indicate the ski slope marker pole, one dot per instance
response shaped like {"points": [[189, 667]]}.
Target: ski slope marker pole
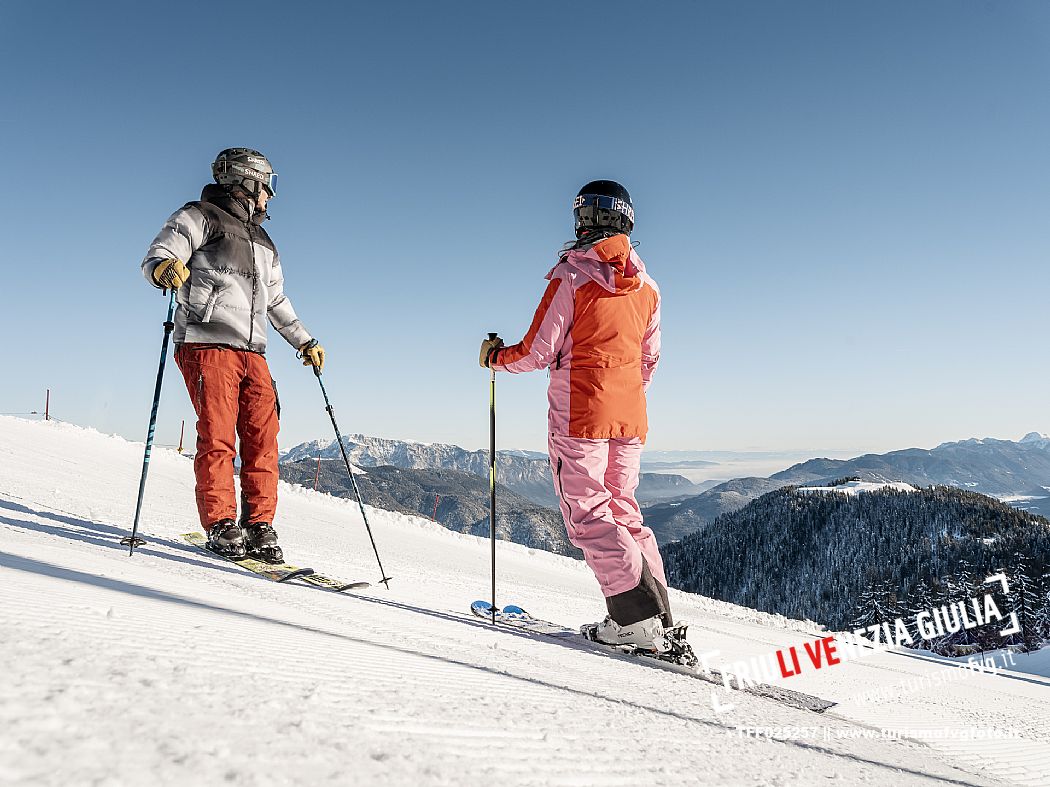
{"points": [[353, 481], [492, 477], [133, 540]]}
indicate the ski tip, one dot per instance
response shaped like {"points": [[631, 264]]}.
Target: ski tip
{"points": [[355, 586], [514, 609]]}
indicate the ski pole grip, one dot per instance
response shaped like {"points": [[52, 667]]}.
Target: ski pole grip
{"points": [[493, 336]]}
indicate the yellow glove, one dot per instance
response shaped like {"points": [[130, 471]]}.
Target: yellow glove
{"points": [[312, 354], [488, 346], [170, 274]]}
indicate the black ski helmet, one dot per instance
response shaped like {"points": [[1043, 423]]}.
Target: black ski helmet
{"points": [[244, 167], [603, 204]]}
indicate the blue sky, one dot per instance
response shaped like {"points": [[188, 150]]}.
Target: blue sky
{"points": [[845, 205]]}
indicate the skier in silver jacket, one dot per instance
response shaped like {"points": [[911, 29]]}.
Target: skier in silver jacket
{"points": [[234, 283], [228, 280]]}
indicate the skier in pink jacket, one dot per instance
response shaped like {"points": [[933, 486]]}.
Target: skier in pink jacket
{"points": [[597, 331]]}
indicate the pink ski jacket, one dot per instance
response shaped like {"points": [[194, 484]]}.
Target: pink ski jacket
{"points": [[598, 330]]}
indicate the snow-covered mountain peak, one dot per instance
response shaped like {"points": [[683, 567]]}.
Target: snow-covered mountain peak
{"points": [[957, 443], [1037, 438]]}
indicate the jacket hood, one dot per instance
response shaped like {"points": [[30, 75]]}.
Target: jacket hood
{"points": [[610, 262], [218, 196]]}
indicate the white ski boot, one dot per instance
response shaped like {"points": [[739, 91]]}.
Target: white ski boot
{"points": [[645, 635]]}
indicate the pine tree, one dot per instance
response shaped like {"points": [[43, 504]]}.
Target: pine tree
{"points": [[1023, 599], [921, 600], [866, 612], [1042, 614]]}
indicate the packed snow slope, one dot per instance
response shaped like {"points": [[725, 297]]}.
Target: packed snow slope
{"points": [[172, 667]]}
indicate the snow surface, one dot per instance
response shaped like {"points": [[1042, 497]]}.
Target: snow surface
{"points": [[1036, 663], [856, 487], [172, 667]]}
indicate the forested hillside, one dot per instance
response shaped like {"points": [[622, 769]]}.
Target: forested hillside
{"points": [[843, 559]]}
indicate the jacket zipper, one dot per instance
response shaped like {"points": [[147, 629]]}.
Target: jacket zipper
{"points": [[255, 280]]}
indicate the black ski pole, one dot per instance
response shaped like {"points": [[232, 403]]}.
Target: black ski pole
{"points": [[353, 481], [133, 540], [492, 477]]}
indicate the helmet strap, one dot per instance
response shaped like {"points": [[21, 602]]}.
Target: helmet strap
{"points": [[592, 236]]}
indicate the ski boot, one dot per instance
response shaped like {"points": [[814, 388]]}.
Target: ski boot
{"points": [[225, 538], [644, 636], [261, 542]]}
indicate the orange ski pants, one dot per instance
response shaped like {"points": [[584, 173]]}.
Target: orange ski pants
{"points": [[234, 398]]}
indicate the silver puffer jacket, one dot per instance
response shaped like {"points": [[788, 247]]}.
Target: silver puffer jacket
{"points": [[235, 282]]}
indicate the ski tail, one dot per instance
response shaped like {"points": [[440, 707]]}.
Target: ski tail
{"points": [[483, 609]]}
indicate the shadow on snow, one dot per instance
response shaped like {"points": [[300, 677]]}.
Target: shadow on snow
{"points": [[29, 565]]}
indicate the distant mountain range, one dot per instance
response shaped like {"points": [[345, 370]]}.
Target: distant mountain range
{"points": [[1018, 472], [457, 500], [526, 473], [676, 519], [992, 467]]}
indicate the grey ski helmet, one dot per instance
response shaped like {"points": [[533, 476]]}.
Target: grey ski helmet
{"points": [[603, 205], [244, 167]]}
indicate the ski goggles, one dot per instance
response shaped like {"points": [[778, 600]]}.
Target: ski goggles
{"points": [[604, 203], [268, 180]]}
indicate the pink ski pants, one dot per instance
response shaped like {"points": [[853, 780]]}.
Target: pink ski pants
{"points": [[596, 481]]}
